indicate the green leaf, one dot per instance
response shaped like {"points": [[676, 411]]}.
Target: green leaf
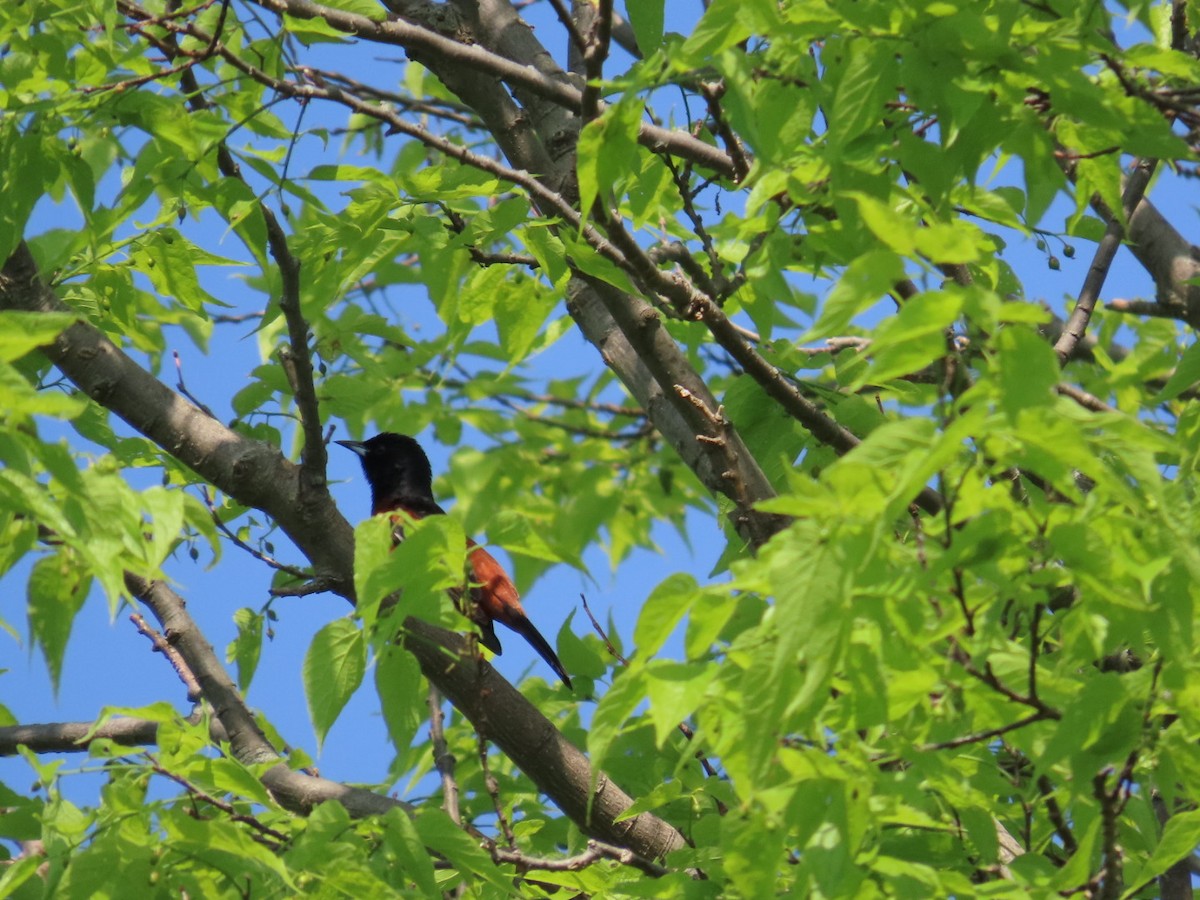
{"points": [[1179, 840], [675, 691], [866, 83], [220, 844], [548, 250], [373, 543], [227, 774], [708, 615], [789, 676], [950, 243], [1087, 719], [614, 708], [57, 588], [896, 231], [245, 649], [608, 150], [400, 686], [520, 314], [401, 837], [724, 23], [591, 262], [21, 332], [19, 398], [429, 560], [440, 834], [1187, 373], [333, 669], [29, 170], [169, 260], [164, 508], [517, 534], [912, 339], [663, 610], [1028, 370], [314, 31], [646, 17], [866, 280]]}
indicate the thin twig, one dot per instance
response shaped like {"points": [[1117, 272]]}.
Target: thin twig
{"points": [[458, 113], [238, 542], [443, 759], [163, 646], [412, 36], [712, 94], [1057, 819], [277, 837], [493, 788], [987, 735], [564, 17], [989, 677], [612, 650], [1082, 397], [182, 388], [596, 851], [694, 304], [459, 226], [1150, 308], [313, 459]]}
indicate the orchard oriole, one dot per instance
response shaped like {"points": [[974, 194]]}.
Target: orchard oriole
{"points": [[401, 478]]}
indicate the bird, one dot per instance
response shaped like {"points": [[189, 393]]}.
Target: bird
{"points": [[401, 479]]}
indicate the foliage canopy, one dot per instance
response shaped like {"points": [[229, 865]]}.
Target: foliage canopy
{"points": [[789, 271]]}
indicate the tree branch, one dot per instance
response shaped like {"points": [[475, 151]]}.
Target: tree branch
{"points": [[987, 735], [531, 741], [594, 55], [423, 40], [624, 329], [294, 790], [163, 646], [258, 476], [253, 473], [277, 838], [443, 759], [77, 737], [1106, 251], [692, 303], [595, 852]]}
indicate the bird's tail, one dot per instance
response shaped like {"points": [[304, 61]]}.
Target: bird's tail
{"points": [[487, 634], [525, 629]]}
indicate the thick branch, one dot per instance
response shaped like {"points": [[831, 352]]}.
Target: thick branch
{"points": [[625, 329], [253, 473], [630, 336], [257, 475], [1172, 261], [690, 301], [76, 737], [294, 790], [423, 40], [1106, 251], [529, 739]]}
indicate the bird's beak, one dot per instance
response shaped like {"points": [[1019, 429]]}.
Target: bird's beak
{"points": [[356, 446]]}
